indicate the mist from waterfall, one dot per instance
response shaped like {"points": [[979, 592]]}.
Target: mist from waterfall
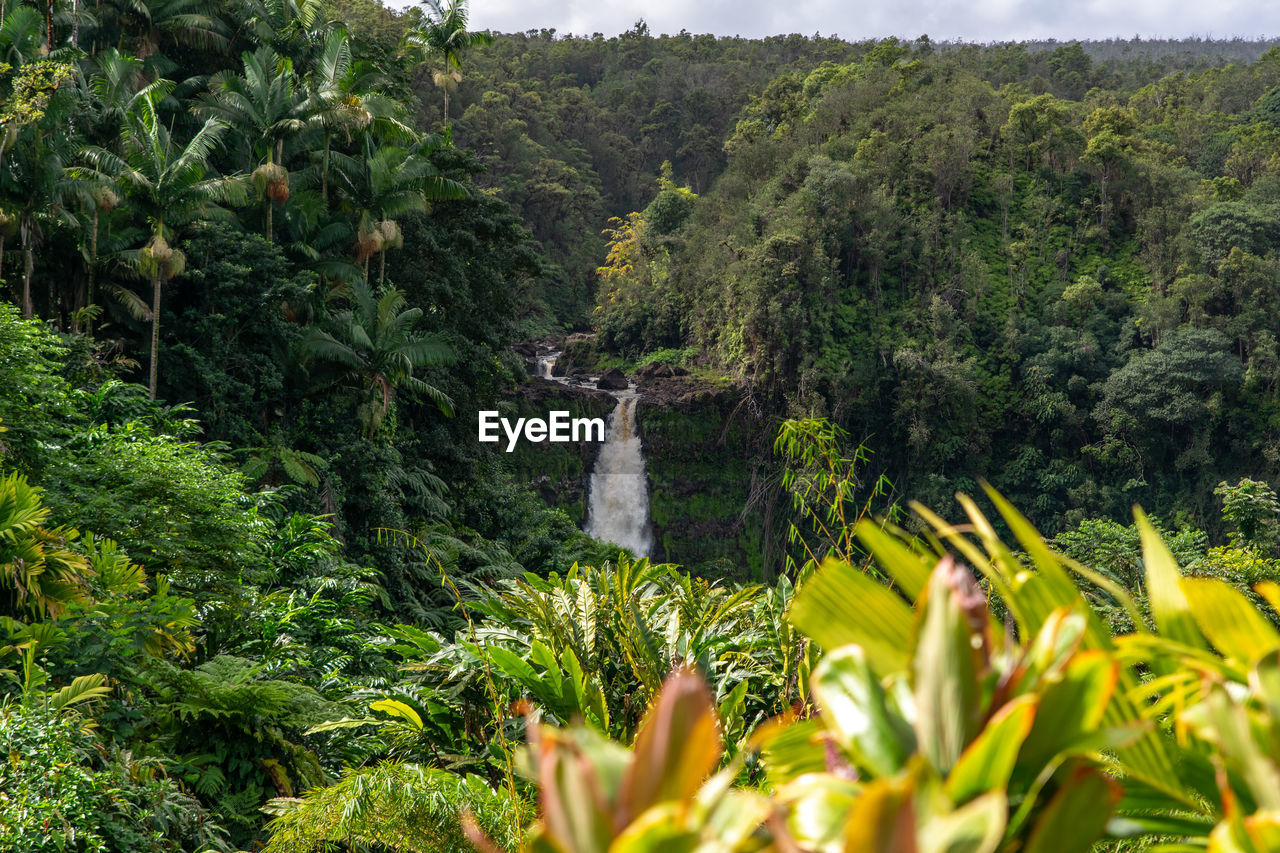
{"points": [[618, 508]]}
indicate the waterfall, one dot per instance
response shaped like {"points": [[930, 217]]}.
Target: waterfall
{"points": [[618, 508], [547, 363]]}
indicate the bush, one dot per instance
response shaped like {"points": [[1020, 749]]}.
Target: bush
{"points": [[60, 790]]}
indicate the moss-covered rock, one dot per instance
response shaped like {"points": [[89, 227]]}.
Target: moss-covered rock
{"points": [[710, 502], [560, 472]]}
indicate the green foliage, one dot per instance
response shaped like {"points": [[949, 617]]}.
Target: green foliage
{"points": [[1251, 507], [403, 807], [234, 735], [172, 504], [937, 728], [33, 396], [63, 791], [40, 575], [376, 349]]}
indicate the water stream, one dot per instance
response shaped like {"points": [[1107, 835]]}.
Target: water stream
{"points": [[618, 507], [618, 497]]}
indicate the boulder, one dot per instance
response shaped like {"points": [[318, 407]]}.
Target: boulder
{"points": [[559, 366], [659, 370], [613, 380], [654, 370]]}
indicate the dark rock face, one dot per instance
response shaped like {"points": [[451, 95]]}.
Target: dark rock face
{"points": [[559, 473], [712, 506], [558, 367], [613, 380]]}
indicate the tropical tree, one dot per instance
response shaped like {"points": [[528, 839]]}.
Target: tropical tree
{"points": [[385, 184], [169, 185], [344, 99], [444, 37], [372, 348], [155, 29], [262, 106]]}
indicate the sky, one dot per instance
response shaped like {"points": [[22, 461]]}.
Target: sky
{"points": [[968, 20]]}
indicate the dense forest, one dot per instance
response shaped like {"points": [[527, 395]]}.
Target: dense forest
{"points": [[262, 589]]}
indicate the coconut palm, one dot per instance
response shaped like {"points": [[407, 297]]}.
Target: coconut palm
{"points": [[444, 37], [168, 184], [372, 348]]}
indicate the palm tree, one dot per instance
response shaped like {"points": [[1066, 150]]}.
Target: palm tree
{"points": [[166, 183], [444, 36], [384, 185], [343, 97], [372, 348], [263, 107], [150, 27], [297, 29]]}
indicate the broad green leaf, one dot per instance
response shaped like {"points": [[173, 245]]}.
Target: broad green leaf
{"points": [[398, 709], [977, 827], [1047, 563], [1077, 815], [573, 689], [946, 667], [1232, 624], [84, 688], [545, 689], [988, 762], [1169, 605], [909, 570], [842, 606], [1071, 709], [860, 714]]}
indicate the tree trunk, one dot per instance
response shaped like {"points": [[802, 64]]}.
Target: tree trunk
{"points": [[324, 172], [270, 218], [445, 89], [155, 331], [382, 268], [1, 257], [93, 270], [29, 265]]}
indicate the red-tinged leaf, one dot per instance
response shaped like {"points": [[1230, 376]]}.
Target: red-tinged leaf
{"points": [[677, 748]]}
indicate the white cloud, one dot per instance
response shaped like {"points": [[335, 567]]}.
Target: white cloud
{"points": [[980, 20]]}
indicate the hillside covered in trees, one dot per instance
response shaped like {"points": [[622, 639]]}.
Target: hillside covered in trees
{"points": [[262, 589]]}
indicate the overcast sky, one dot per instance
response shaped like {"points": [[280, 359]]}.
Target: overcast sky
{"points": [[970, 20]]}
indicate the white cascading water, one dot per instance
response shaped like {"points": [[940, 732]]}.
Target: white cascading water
{"points": [[546, 364], [618, 507]]}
